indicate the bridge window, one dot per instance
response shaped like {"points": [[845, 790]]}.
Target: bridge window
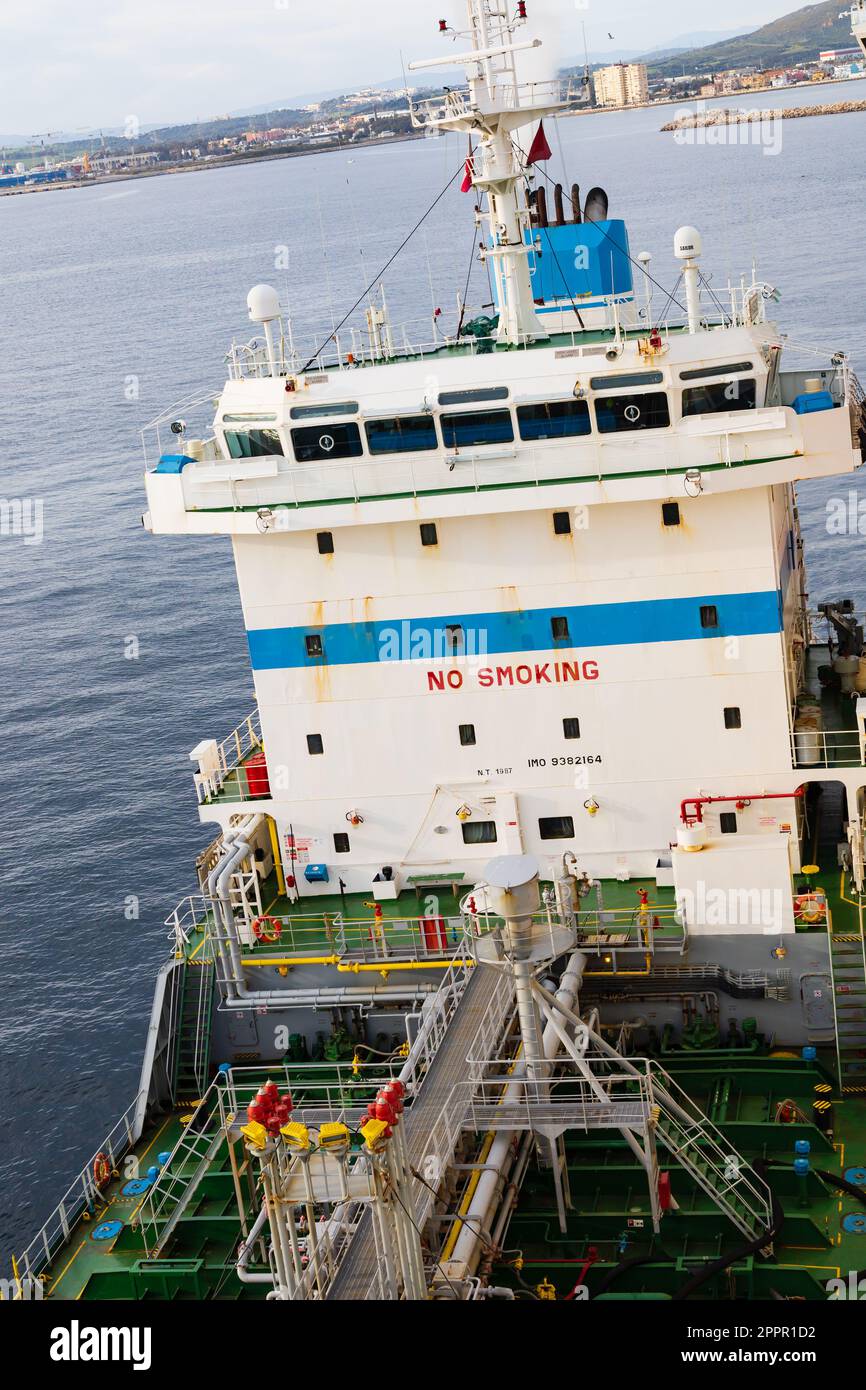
{"points": [[482, 427], [409, 434], [455, 638], [484, 393], [318, 443], [707, 373], [479, 832], [556, 827], [626, 379], [624, 414], [718, 396], [253, 444], [321, 412], [554, 420], [314, 644], [671, 513]]}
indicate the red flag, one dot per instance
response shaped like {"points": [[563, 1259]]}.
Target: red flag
{"points": [[539, 149], [466, 185]]}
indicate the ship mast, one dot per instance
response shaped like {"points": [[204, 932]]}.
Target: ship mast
{"points": [[490, 111]]}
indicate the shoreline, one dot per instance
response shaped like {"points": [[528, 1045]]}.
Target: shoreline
{"points": [[264, 157]]}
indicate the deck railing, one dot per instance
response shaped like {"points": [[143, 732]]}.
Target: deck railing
{"points": [[229, 776], [83, 1195]]}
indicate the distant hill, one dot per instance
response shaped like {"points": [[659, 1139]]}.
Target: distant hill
{"points": [[796, 38]]}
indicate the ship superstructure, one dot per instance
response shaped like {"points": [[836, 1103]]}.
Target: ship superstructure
{"points": [[547, 794], [858, 23]]}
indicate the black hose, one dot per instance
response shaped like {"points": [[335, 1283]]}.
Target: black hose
{"points": [[843, 1184], [752, 1247], [624, 1266]]}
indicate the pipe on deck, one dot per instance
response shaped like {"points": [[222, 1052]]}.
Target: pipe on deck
{"points": [[473, 1225]]}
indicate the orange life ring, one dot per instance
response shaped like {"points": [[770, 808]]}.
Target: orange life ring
{"points": [[268, 929], [810, 907], [102, 1170]]}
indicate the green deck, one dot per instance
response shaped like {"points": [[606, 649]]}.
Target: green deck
{"points": [[607, 1187]]}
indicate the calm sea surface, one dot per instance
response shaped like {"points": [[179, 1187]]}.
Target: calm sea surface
{"points": [[118, 300]]}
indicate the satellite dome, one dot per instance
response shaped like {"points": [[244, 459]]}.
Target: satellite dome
{"points": [[263, 302]]}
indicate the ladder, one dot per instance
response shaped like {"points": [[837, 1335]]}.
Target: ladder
{"points": [[192, 1055], [181, 1177], [704, 1152], [848, 971]]}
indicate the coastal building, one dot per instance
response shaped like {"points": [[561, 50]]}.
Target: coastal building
{"points": [[623, 84]]}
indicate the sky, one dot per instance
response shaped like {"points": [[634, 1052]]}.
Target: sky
{"points": [[69, 66]]}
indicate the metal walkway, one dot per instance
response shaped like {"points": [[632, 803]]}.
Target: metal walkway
{"points": [[356, 1279]]}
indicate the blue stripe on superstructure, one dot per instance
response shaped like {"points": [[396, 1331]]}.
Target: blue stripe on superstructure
{"points": [[591, 625]]}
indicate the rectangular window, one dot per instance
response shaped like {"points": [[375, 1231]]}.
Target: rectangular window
{"points": [[615, 383], [253, 444], [483, 393], [318, 443], [410, 434], [325, 542], [709, 615], [733, 718], [467, 735], [706, 373], [315, 744], [562, 523], [571, 728], [719, 396], [728, 822], [314, 644], [556, 828], [671, 513], [554, 420], [622, 414], [482, 427], [454, 638], [559, 629], [341, 843], [479, 832], [429, 534], [322, 412]]}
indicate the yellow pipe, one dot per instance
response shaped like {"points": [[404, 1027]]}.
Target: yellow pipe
{"points": [[466, 1203], [385, 966], [275, 850], [350, 967], [280, 961]]}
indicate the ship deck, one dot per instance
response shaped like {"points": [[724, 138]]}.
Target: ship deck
{"points": [[608, 1191], [840, 740]]}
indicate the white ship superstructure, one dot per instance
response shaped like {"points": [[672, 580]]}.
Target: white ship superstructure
{"points": [[528, 590], [529, 956], [858, 23]]}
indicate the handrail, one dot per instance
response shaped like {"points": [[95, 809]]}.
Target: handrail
{"points": [[81, 1196]]}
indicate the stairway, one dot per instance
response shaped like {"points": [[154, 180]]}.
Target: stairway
{"points": [[192, 1056], [848, 968], [704, 1152], [182, 1175]]}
